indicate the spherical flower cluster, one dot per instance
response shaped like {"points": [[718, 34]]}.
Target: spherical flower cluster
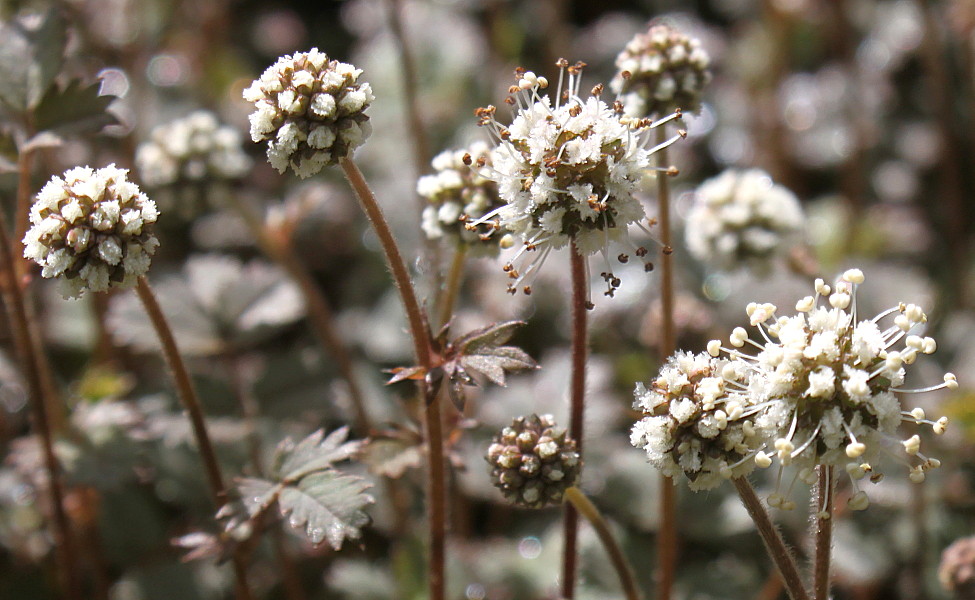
{"points": [[92, 229], [701, 421], [742, 218], [821, 390], [837, 379], [192, 149], [568, 171], [311, 111], [660, 71], [458, 195], [533, 461]]}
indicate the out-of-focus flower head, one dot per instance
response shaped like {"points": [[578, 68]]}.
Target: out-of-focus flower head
{"points": [[533, 461], [661, 70], [837, 380], [193, 149], [741, 218], [310, 110], [92, 229], [957, 569], [567, 172], [458, 194]]}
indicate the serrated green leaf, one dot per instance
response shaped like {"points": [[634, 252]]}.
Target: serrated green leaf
{"points": [[314, 454], [257, 494], [328, 506], [493, 362], [492, 335], [31, 56], [74, 110]]}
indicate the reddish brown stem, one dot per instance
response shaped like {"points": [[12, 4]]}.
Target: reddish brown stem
{"points": [[580, 310], [194, 409], [774, 544], [822, 518], [667, 534], [420, 334], [29, 353]]}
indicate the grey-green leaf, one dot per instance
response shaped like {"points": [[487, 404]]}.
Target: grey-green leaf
{"points": [[315, 453], [257, 494], [31, 56], [486, 337], [328, 506], [74, 110]]}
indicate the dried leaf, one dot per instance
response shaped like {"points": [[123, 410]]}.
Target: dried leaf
{"points": [[403, 373]]}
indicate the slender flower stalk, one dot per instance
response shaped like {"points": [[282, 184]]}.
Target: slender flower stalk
{"points": [[29, 353], [191, 402], [667, 535], [420, 334], [586, 508], [421, 147], [774, 544], [319, 312], [580, 291], [822, 522]]}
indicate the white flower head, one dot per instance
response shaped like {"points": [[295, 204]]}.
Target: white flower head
{"points": [[837, 380], [661, 70], [458, 195], [189, 150], [700, 422], [741, 218], [310, 110], [92, 229], [567, 171]]}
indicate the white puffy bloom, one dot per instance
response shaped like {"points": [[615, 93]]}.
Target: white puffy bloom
{"points": [[193, 149], [567, 171], [661, 70], [837, 379], [310, 110], [741, 218], [700, 422], [92, 229], [457, 195]]}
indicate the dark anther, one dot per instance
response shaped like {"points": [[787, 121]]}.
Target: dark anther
{"points": [[623, 258]]}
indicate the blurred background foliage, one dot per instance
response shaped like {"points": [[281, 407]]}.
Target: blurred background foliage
{"points": [[864, 108]]}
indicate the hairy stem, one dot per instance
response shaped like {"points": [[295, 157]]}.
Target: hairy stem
{"points": [[191, 403], [823, 525], [667, 535], [420, 334], [774, 544], [587, 509], [319, 312], [29, 353], [580, 309], [452, 287]]}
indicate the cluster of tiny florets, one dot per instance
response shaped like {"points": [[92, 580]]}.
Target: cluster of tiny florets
{"points": [[701, 421], [458, 195], [742, 218], [567, 172], [310, 110], [660, 71], [189, 150], [837, 379], [533, 461], [92, 229], [820, 390]]}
